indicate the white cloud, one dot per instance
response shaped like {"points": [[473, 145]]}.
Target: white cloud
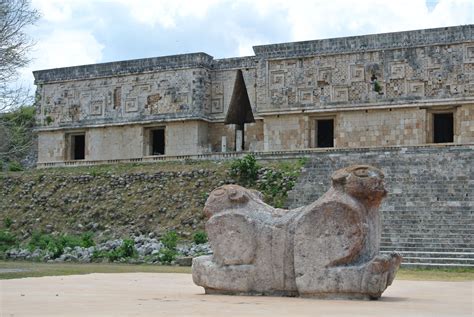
{"points": [[54, 10], [68, 31], [62, 48], [165, 12], [67, 47], [322, 19]]}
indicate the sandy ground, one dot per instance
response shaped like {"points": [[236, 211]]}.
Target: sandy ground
{"points": [[150, 294]]}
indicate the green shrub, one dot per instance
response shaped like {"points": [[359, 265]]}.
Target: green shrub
{"points": [[87, 240], [166, 255], [126, 250], [113, 256], [49, 120], [377, 87], [170, 240], [56, 244], [15, 167], [97, 255], [7, 240], [245, 170], [204, 196], [45, 242], [276, 182], [55, 248], [39, 241], [200, 237], [7, 222]]}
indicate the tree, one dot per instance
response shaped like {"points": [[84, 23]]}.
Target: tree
{"points": [[15, 16]]}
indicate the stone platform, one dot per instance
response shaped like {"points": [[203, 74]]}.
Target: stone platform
{"points": [[146, 294]]}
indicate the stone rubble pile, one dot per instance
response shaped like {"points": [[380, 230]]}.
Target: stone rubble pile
{"points": [[148, 250]]}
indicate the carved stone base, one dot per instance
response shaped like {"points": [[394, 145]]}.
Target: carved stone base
{"points": [[212, 291]]}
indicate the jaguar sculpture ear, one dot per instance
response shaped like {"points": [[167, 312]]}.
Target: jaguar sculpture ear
{"points": [[339, 177], [237, 195]]}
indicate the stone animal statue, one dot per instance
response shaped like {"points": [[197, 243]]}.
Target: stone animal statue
{"points": [[328, 249]]}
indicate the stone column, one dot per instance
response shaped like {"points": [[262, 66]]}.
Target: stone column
{"points": [[239, 140], [224, 144]]}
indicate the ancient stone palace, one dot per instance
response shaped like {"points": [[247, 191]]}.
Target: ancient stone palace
{"points": [[393, 89]]}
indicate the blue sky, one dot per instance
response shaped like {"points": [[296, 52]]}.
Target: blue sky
{"points": [[77, 32]]}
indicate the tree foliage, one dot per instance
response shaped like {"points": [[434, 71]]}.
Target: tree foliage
{"points": [[16, 119], [16, 134], [15, 16]]}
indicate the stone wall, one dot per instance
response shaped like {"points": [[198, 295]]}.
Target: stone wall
{"points": [[133, 98], [403, 75], [465, 124], [184, 137], [380, 128], [51, 146], [286, 132], [254, 136], [217, 131], [107, 143], [445, 172]]}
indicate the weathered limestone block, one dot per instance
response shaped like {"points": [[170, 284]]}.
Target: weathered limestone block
{"points": [[328, 249]]}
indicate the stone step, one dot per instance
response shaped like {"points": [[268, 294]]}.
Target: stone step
{"points": [[459, 218], [427, 254], [464, 223], [391, 248], [409, 259], [424, 231], [466, 242], [425, 215], [452, 259], [420, 216], [426, 234], [424, 246], [453, 239], [437, 265], [426, 226]]}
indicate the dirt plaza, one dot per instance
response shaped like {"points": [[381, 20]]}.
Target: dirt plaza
{"points": [[171, 294]]}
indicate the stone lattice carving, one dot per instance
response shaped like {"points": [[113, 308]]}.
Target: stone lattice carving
{"points": [[328, 249]]}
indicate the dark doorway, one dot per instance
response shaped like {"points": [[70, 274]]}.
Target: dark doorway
{"points": [[157, 142], [443, 127], [240, 109], [78, 146], [325, 133]]}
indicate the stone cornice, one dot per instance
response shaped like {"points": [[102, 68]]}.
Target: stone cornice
{"points": [[135, 66], [372, 42]]}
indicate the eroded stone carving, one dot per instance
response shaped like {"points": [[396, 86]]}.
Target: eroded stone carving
{"points": [[328, 249]]}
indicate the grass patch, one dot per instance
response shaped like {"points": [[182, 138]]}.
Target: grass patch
{"points": [[436, 274], [54, 269]]}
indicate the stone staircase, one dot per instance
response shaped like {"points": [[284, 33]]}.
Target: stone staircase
{"points": [[428, 215], [442, 241]]}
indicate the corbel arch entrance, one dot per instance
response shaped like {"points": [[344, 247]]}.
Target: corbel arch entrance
{"points": [[240, 111]]}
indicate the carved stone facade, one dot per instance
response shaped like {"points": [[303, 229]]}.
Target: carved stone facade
{"points": [[376, 90]]}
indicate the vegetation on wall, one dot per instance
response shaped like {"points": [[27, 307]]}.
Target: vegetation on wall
{"points": [[49, 212], [16, 128], [16, 119], [273, 180]]}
